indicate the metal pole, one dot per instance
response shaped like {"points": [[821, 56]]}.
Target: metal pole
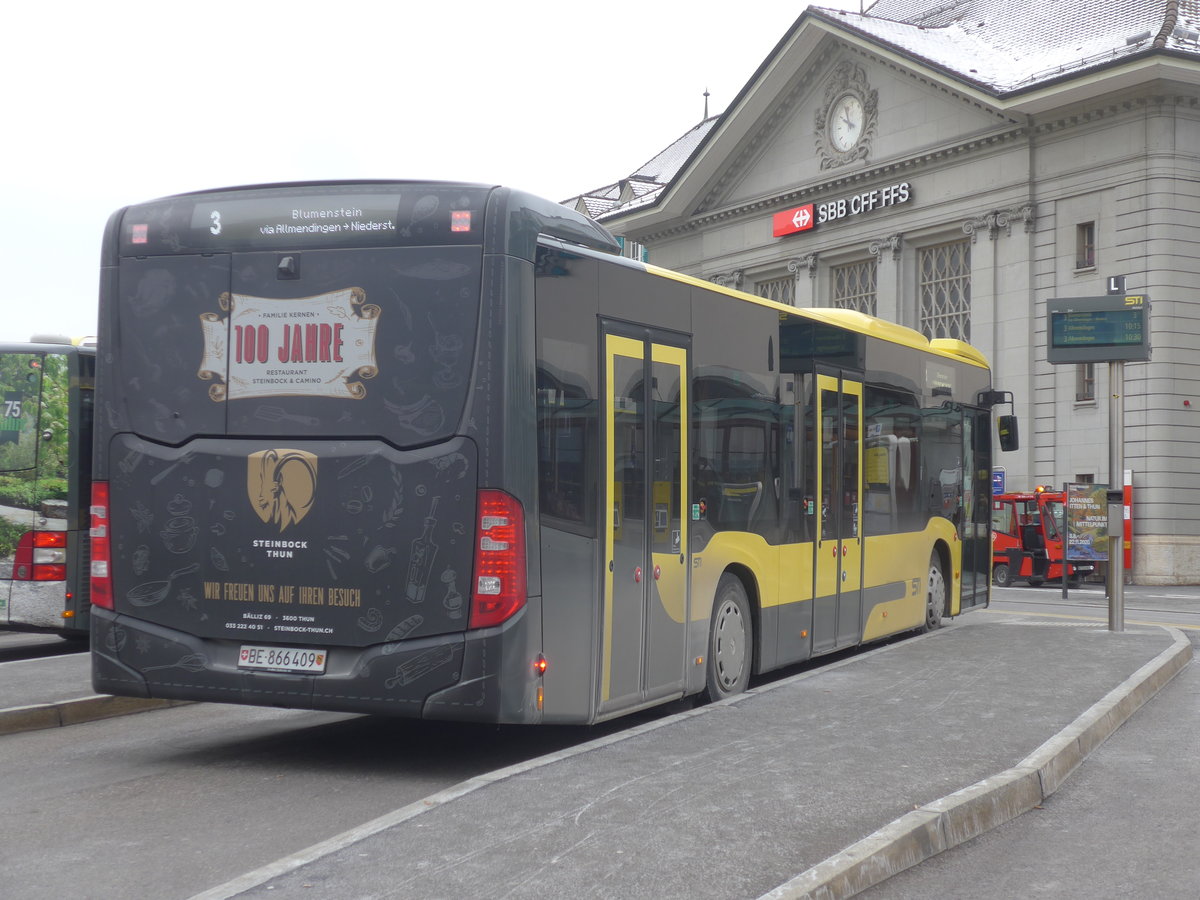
{"points": [[1116, 477], [1066, 538]]}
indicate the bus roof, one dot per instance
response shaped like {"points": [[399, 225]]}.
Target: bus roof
{"points": [[851, 320]]}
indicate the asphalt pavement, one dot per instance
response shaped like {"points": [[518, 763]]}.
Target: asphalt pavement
{"points": [[816, 785]]}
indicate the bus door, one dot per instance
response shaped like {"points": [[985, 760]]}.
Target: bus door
{"points": [[976, 519], [837, 607], [644, 569]]}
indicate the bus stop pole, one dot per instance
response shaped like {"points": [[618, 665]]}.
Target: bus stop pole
{"points": [[1116, 484], [1065, 524]]}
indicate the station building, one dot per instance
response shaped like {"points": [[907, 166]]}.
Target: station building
{"points": [[955, 166]]}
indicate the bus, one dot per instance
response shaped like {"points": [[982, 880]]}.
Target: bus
{"points": [[436, 450], [45, 483]]}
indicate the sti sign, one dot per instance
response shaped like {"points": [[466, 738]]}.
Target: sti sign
{"points": [[804, 218]]}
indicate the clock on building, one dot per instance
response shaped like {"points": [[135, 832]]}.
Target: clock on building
{"points": [[845, 121]]}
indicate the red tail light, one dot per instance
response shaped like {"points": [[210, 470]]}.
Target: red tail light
{"points": [[41, 556], [102, 592], [499, 589]]}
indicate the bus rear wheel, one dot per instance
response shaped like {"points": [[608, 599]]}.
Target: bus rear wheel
{"points": [[730, 640], [935, 594]]}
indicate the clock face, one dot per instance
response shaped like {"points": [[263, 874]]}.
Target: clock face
{"points": [[846, 123]]}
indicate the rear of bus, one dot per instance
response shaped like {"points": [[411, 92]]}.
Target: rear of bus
{"points": [[315, 458], [45, 479]]}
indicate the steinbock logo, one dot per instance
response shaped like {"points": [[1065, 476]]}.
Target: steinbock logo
{"points": [[281, 484]]}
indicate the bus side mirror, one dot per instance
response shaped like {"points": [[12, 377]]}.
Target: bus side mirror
{"points": [[1006, 426]]}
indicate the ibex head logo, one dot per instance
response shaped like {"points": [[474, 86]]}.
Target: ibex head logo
{"points": [[282, 484]]}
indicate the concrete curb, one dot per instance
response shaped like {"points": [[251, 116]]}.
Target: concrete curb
{"points": [[988, 804], [72, 712]]}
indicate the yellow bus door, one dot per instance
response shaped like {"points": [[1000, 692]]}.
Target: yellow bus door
{"points": [[645, 570], [837, 605]]}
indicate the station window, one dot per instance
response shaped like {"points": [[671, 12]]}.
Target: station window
{"points": [[855, 286], [1085, 382], [781, 290], [1085, 245], [945, 290]]}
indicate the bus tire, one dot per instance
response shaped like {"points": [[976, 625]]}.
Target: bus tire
{"points": [[730, 640], [1002, 575], [935, 594]]}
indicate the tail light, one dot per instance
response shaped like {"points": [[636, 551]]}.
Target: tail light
{"points": [[41, 556], [101, 574], [499, 560]]}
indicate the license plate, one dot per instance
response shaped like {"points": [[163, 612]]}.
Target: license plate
{"points": [[282, 659]]}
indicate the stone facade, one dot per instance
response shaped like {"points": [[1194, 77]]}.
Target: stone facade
{"points": [[960, 211]]}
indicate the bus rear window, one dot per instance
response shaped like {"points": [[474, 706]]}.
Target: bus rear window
{"points": [[369, 342], [20, 394]]}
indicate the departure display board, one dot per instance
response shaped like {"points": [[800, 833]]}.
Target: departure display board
{"points": [[1113, 328]]}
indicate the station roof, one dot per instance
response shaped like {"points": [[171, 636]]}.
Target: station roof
{"points": [[1021, 56]]}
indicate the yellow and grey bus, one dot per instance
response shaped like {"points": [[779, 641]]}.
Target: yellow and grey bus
{"points": [[436, 450], [45, 483]]}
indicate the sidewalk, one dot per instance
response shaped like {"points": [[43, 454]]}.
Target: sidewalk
{"points": [[818, 785], [49, 691]]}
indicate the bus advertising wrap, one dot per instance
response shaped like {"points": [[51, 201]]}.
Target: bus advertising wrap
{"points": [[322, 346]]}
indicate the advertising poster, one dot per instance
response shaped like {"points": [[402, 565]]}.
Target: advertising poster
{"points": [[1087, 522]]}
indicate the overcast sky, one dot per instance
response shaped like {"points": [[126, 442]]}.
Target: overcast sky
{"points": [[111, 104]]}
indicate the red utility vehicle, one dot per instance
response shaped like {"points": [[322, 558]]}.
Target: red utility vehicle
{"points": [[1027, 539]]}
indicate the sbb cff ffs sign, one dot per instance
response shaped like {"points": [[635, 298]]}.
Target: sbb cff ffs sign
{"points": [[802, 218], [792, 220], [1113, 328]]}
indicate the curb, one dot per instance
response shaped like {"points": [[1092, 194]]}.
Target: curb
{"points": [[72, 712], [988, 804]]}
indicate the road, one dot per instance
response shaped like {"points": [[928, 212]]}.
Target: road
{"points": [[166, 804], [169, 803], [1178, 607], [20, 645]]}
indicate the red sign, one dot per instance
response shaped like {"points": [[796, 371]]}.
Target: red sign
{"points": [[792, 220]]}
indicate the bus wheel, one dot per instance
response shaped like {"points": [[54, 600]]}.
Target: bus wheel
{"points": [[935, 595], [1002, 575], [730, 640]]}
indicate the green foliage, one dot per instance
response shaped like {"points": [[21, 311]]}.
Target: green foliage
{"points": [[55, 417], [35, 401], [25, 493], [10, 533]]}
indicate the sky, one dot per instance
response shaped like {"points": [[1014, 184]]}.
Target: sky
{"points": [[112, 104]]}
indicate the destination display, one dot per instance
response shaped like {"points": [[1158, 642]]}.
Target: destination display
{"points": [[280, 218], [1099, 329]]}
